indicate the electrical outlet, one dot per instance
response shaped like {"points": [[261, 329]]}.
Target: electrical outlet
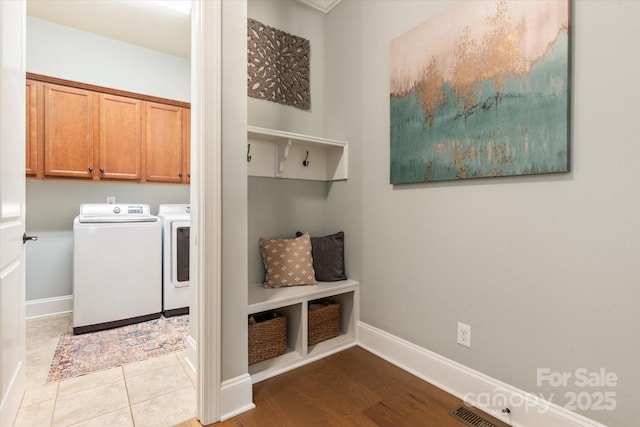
{"points": [[111, 199], [464, 335]]}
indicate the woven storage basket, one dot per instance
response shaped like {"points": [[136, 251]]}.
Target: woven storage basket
{"points": [[267, 339], [324, 322]]}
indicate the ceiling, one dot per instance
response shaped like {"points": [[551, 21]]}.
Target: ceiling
{"points": [[142, 23], [138, 22]]}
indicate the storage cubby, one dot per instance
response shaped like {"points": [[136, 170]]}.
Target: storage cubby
{"points": [[278, 154], [348, 325], [293, 303], [323, 320], [267, 336], [293, 314]]}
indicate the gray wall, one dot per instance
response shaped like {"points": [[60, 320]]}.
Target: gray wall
{"points": [[303, 21], [280, 207], [544, 268], [51, 208], [53, 204], [261, 207], [67, 53], [234, 190]]}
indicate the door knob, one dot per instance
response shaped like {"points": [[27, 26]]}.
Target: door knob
{"points": [[25, 238]]}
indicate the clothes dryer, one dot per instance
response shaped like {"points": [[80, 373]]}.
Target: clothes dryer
{"points": [[176, 224]]}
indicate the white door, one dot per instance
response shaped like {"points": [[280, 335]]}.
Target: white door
{"points": [[12, 202]]}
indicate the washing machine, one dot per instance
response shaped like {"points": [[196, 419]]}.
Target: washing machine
{"points": [[117, 261], [176, 223]]}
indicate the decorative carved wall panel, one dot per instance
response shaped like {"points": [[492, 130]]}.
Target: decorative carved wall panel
{"points": [[278, 66]]}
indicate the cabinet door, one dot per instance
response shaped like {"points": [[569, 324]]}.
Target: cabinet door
{"points": [[186, 145], [69, 131], [120, 137], [32, 153], [163, 143]]}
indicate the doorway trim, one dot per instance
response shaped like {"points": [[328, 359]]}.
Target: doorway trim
{"points": [[206, 191]]}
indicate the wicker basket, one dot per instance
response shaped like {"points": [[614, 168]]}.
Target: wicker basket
{"points": [[324, 322], [267, 338]]}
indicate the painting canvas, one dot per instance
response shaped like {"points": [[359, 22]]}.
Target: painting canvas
{"points": [[481, 90]]}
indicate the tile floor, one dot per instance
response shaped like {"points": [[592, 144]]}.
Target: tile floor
{"points": [[156, 392]]}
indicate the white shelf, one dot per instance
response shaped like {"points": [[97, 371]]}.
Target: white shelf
{"points": [[279, 154], [293, 302], [262, 299], [292, 360]]}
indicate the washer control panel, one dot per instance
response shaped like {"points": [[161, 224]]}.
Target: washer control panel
{"points": [[107, 212]]}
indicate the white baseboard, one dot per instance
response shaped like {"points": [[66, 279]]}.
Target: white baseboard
{"points": [[192, 354], [236, 396], [48, 306], [474, 388]]}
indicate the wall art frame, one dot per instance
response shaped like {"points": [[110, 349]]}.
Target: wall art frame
{"points": [[278, 66], [482, 90]]}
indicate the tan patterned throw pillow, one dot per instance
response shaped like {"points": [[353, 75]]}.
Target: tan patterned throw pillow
{"points": [[287, 262]]}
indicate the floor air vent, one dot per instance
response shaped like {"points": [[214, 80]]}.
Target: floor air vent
{"points": [[471, 418]]}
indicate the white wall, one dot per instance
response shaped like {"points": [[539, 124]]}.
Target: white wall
{"points": [[544, 268], [66, 53]]}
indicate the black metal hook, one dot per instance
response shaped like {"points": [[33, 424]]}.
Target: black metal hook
{"points": [[305, 162], [248, 153]]}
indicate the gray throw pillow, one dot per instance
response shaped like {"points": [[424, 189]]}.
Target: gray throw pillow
{"points": [[328, 257]]}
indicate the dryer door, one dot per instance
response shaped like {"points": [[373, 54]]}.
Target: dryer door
{"points": [[180, 253]]}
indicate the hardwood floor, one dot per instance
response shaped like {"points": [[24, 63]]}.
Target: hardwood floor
{"points": [[351, 388]]}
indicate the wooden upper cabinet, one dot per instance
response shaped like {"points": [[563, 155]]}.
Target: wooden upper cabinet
{"points": [[78, 130], [186, 145], [163, 136], [32, 159], [120, 138], [69, 131]]}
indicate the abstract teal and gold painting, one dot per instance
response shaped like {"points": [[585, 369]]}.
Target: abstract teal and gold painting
{"points": [[482, 90]]}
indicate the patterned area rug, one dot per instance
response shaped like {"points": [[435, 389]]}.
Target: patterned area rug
{"points": [[78, 355]]}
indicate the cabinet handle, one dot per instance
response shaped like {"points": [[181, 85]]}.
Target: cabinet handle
{"points": [[90, 169], [188, 175], [180, 175], [101, 170]]}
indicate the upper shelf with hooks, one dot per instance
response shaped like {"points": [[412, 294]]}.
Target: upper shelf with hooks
{"points": [[275, 153]]}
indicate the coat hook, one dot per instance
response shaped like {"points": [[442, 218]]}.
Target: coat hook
{"points": [[305, 162], [248, 153]]}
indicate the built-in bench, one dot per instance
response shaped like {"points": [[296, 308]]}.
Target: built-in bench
{"points": [[292, 302]]}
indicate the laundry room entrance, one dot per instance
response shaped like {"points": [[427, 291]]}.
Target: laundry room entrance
{"points": [[108, 129]]}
